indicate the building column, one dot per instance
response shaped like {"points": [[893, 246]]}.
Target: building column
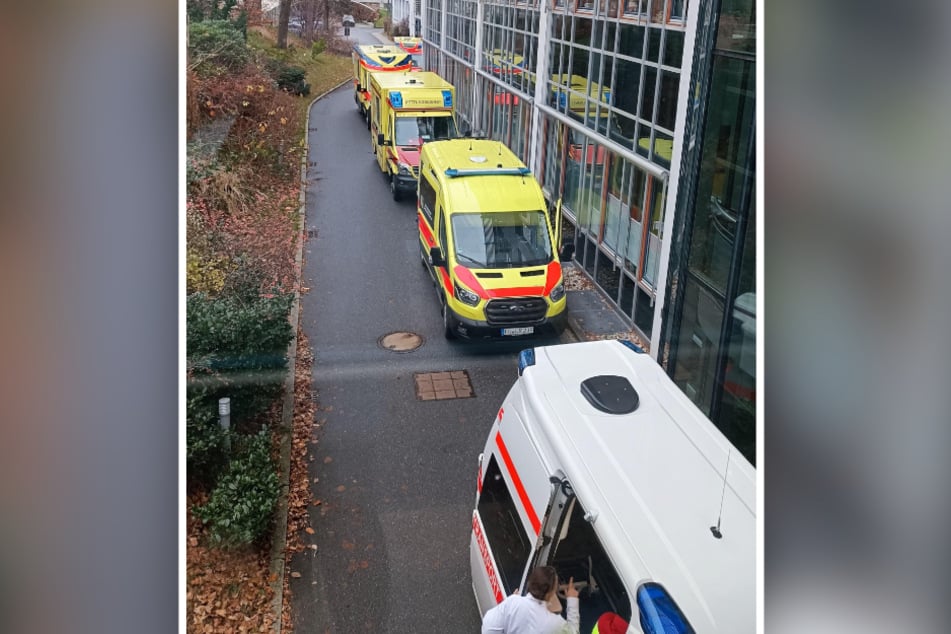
{"points": [[476, 63], [686, 97], [542, 73]]}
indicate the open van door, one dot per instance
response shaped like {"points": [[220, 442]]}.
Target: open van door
{"points": [[565, 251]]}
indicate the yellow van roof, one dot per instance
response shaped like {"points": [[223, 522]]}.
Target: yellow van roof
{"points": [[483, 175], [382, 55], [407, 79]]}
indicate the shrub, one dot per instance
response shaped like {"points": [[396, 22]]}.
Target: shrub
{"points": [[216, 47], [401, 28], [291, 79], [237, 347], [236, 333], [242, 503], [318, 47], [204, 441]]}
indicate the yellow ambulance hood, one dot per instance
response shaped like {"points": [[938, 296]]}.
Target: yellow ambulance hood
{"points": [[530, 281]]}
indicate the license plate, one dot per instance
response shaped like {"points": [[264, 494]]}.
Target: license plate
{"points": [[511, 332]]}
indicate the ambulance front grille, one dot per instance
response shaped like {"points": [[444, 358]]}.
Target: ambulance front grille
{"points": [[520, 310]]}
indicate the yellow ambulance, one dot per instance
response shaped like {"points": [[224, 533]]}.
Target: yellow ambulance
{"points": [[489, 241], [369, 58], [406, 110]]}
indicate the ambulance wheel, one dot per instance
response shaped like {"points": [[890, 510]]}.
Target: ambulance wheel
{"points": [[394, 189], [448, 327]]}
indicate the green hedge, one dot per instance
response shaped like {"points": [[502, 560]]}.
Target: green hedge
{"points": [[237, 347], [216, 46], [241, 505]]}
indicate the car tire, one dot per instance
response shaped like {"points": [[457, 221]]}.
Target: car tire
{"points": [[394, 189]]}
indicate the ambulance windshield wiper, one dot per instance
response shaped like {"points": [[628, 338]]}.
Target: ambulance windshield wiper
{"points": [[473, 261]]}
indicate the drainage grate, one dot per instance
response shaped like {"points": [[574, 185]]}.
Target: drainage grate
{"points": [[440, 386], [400, 341]]}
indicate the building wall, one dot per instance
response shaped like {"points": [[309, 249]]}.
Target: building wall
{"points": [[596, 96], [711, 337]]}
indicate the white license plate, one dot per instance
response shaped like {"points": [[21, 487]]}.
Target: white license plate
{"points": [[511, 332]]}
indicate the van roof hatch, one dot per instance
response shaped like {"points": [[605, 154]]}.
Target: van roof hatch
{"points": [[610, 394]]}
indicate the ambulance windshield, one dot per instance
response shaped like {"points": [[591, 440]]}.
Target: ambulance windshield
{"points": [[511, 239], [418, 130]]}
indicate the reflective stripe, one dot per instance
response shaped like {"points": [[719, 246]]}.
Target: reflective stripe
{"points": [[519, 487]]}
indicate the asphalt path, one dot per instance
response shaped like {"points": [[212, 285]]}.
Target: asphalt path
{"points": [[395, 476]]}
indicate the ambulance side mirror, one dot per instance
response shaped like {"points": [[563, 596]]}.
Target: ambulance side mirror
{"points": [[465, 130], [567, 252], [380, 140], [435, 257]]}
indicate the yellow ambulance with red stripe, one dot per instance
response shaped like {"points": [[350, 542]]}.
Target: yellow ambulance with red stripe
{"points": [[369, 58], [487, 239], [407, 110]]}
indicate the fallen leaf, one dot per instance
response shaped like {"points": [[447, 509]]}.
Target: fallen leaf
{"points": [[341, 488], [295, 574], [309, 530], [316, 502]]}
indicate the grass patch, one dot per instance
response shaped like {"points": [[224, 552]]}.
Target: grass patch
{"points": [[323, 74]]}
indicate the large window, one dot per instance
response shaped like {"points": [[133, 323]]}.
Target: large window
{"points": [[714, 345], [503, 528]]}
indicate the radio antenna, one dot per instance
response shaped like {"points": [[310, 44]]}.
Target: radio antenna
{"points": [[716, 529], [500, 148]]}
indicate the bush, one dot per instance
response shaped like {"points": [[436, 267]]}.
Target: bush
{"points": [[291, 79], [237, 347], [242, 503], [205, 442], [216, 47], [401, 28], [318, 47]]}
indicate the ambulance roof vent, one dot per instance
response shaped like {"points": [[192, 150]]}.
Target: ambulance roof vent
{"points": [[477, 158], [610, 394]]}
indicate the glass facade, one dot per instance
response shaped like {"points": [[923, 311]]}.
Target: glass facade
{"points": [[599, 84], [712, 348]]}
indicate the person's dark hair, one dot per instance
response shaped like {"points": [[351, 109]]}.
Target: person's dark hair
{"points": [[541, 580]]}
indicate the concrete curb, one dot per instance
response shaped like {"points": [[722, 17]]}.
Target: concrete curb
{"points": [[279, 541]]}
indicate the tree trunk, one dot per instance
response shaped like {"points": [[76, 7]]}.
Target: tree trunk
{"points": [[283, 18]]}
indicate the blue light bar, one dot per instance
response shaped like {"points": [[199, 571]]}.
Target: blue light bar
{"points": [[630, 344], [525, 358], [452, 172], [447, 98], [396, 99]]}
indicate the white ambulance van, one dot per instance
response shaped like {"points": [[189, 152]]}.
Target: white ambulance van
{"points": [[598, 465]]}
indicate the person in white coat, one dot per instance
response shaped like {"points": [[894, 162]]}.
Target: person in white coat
{"points": [[534, 613]]}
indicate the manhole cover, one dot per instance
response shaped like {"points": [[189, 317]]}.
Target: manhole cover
{"points": [[401, 341]]}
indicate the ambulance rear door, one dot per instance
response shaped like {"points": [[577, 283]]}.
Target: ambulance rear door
{"points": [[514, 493]]}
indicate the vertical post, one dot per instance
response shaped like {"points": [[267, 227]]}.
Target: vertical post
{"points": [[224, 419]]}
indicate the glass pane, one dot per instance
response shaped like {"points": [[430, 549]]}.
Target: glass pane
{"points": [[725, 169], [647, 101], [673, 48], [627, 86], [667, 110], [737, 27], [631, 41], [653, 44], [697, 342], [737, 417]]}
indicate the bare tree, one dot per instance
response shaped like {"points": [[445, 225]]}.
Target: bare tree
{"points": [[283, 18]]}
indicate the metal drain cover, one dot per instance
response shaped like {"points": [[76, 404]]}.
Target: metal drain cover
{"points": [[400, 341]]}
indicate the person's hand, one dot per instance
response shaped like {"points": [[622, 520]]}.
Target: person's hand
{"points": [[570, 590]]}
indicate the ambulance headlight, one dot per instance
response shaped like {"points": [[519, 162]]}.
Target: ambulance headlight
{"points": [[558, 292], [466, 296], [405, 169]]}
